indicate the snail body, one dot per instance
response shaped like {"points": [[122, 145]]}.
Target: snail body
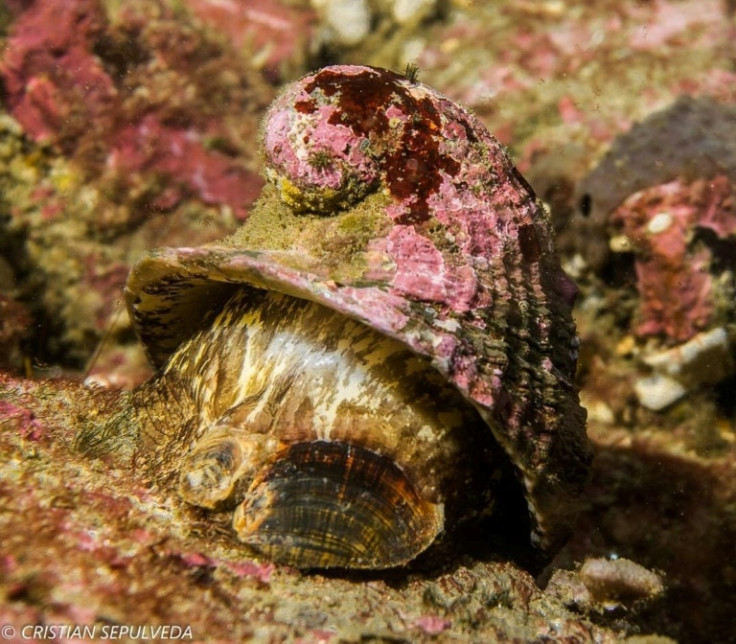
{"points": [[380, 353], [310, 420]]}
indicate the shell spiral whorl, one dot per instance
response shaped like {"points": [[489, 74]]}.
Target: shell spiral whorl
{"points": [[336, 135]]}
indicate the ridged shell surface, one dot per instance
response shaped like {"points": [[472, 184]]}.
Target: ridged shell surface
{"points": [[392, 205]]}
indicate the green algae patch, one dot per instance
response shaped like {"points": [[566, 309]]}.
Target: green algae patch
{"points": [[335, 244]]}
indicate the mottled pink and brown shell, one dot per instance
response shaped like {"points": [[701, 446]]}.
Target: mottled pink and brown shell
{"points": [[382, 350]]}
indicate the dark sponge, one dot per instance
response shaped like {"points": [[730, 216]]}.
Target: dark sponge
{"points": [[694, 138]]}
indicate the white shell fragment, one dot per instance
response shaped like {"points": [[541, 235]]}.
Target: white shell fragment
{"points": [[704, 359], [412, 11], [657, 391], [348, 21], [659, 223], [620, 581]]}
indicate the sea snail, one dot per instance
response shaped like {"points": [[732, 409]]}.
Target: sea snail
{"points": [[382, 349]]}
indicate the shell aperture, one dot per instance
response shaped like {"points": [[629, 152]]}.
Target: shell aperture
{"points": [[338, 446]]}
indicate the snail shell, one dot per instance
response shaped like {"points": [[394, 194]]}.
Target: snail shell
{"points": [[382, 353]]}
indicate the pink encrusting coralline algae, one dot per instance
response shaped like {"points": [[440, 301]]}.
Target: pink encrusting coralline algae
{"points": [[680, 232], [337, 135], [58, 79]]}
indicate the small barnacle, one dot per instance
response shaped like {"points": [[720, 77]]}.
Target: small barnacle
{"points": [[206, 219], [320, 160]]}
